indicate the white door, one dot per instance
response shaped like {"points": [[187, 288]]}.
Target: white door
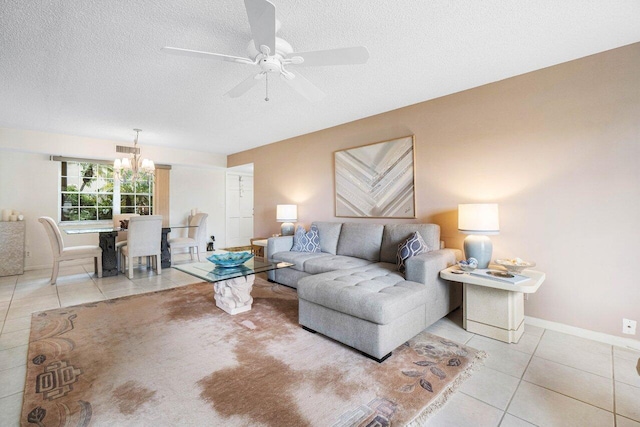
{"points": [[239, 209]]}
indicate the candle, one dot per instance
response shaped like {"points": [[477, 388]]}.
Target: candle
{"points": [[13, 217], [5, 214]]}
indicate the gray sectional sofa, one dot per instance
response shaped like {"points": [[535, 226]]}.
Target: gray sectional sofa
{"points": [[352, 291]]}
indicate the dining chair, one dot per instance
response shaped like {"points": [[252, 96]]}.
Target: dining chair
{"points": [[62, 253], [143, 239], [197, 236], [121, 238]]}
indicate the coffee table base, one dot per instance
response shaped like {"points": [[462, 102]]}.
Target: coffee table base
{"points": [[234, 295]]}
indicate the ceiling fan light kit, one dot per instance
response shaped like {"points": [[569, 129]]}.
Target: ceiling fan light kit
{"points": [[272, 54]]}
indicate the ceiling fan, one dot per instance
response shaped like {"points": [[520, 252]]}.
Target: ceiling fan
{"points": [[272, 54]]}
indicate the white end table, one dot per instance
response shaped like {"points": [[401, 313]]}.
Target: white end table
{"points": [[493, 308]]}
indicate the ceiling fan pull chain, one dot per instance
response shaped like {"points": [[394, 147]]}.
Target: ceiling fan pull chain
{"points": [[267, 87]]}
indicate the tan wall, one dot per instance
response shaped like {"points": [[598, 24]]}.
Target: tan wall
{"points": [[558, 149]]}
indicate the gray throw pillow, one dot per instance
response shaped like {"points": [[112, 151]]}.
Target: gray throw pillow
{"points": [[306, 242], [414, 245]]}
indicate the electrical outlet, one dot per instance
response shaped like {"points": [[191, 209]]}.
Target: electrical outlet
{"points": [[629, 326], [27, 253]]}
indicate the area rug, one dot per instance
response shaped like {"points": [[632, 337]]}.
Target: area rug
{"points": [[173, 358]]}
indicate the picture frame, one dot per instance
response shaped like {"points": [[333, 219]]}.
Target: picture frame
{"points": [[376, 180]]}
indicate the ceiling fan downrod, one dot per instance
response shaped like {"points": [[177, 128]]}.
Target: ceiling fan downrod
{"points": [[266, 98]]}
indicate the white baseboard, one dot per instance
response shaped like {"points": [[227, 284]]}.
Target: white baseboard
{"points": [[583, 333]]}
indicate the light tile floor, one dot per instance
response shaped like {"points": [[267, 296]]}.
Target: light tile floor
{"points": [[547, 379]]}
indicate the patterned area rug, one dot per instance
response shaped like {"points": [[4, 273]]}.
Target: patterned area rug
{"points": [[173, 358]]}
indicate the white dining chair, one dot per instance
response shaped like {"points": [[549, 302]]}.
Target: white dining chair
{"points": [[197, 236], [143, 239], [121, 238], [60, 253]]}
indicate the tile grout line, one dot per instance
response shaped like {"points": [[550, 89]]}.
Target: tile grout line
{"points": [[572, 367], [484, 403], [491, 340], [98, 286], [570, 397], [6, 315], [522, 376], [562, 394]]}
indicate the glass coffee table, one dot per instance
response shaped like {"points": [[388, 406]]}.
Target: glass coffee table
{"points": [[232, 285]]}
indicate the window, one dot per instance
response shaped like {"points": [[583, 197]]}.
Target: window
{"points": [[136, 197], [89, 192]]}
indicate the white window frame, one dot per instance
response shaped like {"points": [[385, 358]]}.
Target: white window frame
{"points": [[116, 194]]}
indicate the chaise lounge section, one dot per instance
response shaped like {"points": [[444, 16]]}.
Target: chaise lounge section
{"points": [[352, 290]]}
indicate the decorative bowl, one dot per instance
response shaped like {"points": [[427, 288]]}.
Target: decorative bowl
{"points": [[468, 265], [515, 265], [230, 259]]}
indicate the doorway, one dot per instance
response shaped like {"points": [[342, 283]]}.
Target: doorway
{"points": [[239, 206]]}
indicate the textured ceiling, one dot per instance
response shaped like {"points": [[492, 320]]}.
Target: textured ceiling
{"points": [[94, 68]]}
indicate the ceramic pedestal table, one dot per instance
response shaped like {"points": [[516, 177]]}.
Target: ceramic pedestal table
{"points": [[493, 308], [232, 286], [234, 295]]}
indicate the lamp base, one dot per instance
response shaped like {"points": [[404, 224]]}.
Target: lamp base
{"points": [[287, 229], [479, 247]]}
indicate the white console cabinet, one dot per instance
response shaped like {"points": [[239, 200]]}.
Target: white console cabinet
{"points": [[11, 247]]}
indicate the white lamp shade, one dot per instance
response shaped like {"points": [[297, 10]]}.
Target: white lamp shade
{"points": [[478, 218], [117, 164], [287, 213], [126, 163]]}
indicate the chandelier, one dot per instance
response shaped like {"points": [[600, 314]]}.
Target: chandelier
{"points": [[133, 167]]}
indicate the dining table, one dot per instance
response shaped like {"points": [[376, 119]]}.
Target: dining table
{"points": [[107, 242]]}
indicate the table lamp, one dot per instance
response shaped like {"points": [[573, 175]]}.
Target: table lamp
{"points": [[287, 215], [478, 220]]}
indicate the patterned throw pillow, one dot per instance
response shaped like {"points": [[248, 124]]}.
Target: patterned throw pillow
{"points": [[306, 242], [413, 246]]}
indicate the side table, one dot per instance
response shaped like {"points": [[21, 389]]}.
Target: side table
{"points": [[263, 244], [491, 307]]}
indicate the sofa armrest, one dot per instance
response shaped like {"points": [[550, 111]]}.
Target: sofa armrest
{"points": [[425, 268], [279, 244]]}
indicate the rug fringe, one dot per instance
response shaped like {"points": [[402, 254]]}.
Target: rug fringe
{"points": [[440, 401]]}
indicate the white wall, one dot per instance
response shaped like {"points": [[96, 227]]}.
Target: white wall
{"points": [[200, 188], [29, 183]]}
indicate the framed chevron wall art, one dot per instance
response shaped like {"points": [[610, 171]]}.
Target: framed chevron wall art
{"points": [[376, 180]]}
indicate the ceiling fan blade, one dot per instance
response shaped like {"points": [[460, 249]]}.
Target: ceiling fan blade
{"points": [[262, 19], [304, 87], [244, 86], [343, 56], [207, 55]]}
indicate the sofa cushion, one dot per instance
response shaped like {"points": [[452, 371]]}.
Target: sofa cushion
{"points": [[298, 259], [329, 233], [413, 246], [332, 262], [394, 234], [361, 240], [306, 242], [372, 293]]}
